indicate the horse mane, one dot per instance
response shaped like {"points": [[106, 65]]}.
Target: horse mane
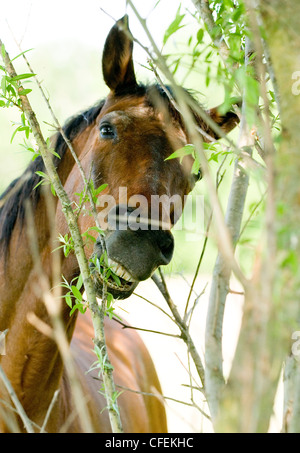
{"points": [[25, 187], [12, 200]]}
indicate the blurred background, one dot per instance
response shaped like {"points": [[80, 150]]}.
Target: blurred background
{"points": [[66, 39]]}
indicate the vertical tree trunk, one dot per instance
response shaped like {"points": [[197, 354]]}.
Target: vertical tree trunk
{"points": [[222, 272], [272, 304], [281, 21]]}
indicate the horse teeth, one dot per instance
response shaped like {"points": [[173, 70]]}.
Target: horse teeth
{"points": [[119, 270], [127, 276], [110, 262]]}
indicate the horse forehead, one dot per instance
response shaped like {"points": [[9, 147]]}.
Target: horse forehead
{"points": [[137, 108], [146, 121], [128, 114]]}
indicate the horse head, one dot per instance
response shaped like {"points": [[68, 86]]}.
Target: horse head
{"points": [[136, 130]]}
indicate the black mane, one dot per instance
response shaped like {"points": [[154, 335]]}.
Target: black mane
{"points": [[12, 201]]}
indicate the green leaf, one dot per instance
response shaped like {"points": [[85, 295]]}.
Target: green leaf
{"points": [[174, 26], [207, 78], [79, 282], [196, 166], [110, 312], [176, 63], [22, 77], [35, 155], [86, 235], [77, 294], [11, 90], [44, 180], [24, 92], [214, 157], [109, 299], [200, 35], [20, 54], [68, 299], [42, 174], [52, 151], [185, 151], [95, 192], [53, 191], [3, 51], [14, 133], [94, 228], [116, 279], [100, 189], [79, 307], [39, 183], [3, 85]]}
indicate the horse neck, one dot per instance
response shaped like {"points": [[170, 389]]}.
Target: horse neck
{"points": [[17, 264], [18, 269], [31, 361]]}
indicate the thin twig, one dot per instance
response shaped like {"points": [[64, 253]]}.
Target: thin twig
{"points": [[16, 428], [251, 215], [163, 397], [185, 335], [21, 412], [127, 326], [155, 305], [212, 28], [51, 405], [191, 311], [218, 182]]}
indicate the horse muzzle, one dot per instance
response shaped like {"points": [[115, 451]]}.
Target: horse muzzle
{"points": [[133, 254]]}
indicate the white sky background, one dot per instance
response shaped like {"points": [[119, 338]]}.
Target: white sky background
{"points": [[38, 22]]}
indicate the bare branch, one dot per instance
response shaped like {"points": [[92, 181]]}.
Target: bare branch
{"points": [[51, 405], [221, 274], [127, 326], [216, 35], [27, 422], [161, 284]]}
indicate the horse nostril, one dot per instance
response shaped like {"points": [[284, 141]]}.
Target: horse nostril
{"points": [[165, 242]]}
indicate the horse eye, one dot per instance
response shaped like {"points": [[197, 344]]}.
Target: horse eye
{"points": [[107, 131]]}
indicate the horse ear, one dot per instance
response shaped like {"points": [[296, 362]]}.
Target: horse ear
{"points": [[117, 62], [226, 121]]}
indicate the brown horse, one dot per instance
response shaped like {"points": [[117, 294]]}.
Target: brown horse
{"points": [[123, 141]]}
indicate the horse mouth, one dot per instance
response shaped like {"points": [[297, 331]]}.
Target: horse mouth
{"points": [[116, 279]]}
